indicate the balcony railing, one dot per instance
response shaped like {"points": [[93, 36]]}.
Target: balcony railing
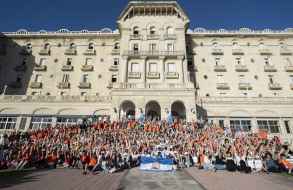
{"points": [[84, 85], [115, 51], [67, 68], [153, 53], [45, 52], [20, 68], [265, 52], [42, 98], [245, 86], [237, 52], [216, 51], [64, 85], [40, 68], [153, 37], [172, 75], [270, 68], [113, 68], [223, 86], [87, 68], [220, 68], [136, 37], [289, 68], [285, 51], [275, 86], [70, 51], [90, 52], [153, 75], [36, 85], [170, 36], [134, 75], [241, 68]]}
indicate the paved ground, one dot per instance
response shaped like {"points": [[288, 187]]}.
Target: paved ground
{"points": [[67, 179], [138, 180], [236, 181]]}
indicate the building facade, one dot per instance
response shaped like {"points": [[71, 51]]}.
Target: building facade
{"points": [[153, 64]]}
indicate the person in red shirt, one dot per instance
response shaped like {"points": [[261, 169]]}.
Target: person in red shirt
{"points": [[85, 160]]}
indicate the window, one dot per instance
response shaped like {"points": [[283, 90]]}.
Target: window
{"points": [[217, 61], [63, 121], [153, 67], [22, 123], [83, 93], [116, 61], [47, 46], [43, 61], [271, 79], [41, 122], [221, 123], [8, 122], [91, 46], [169, 30], [38, 78], [85, 78], [240, 125], [170, 47], [134, 67], [69, 61], [238, 60], [153, 47], [171, 68], [287, 126], [65, 78], [152, 30], [72, 46], [267, 60], [136, 31], [28, 46], [24, 61], [117, 46], [88, 61], [135, 47], [271, 126], [114, 78]]}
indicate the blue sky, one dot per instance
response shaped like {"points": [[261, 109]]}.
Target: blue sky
{"points": [[34, 15]]}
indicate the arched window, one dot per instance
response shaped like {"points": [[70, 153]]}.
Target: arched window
{"points": [[91, 46], [215, 44], [47, 46], [136, 30], [152, 30], [29, 46], [169, 30], [116, 45], [72, 46]]}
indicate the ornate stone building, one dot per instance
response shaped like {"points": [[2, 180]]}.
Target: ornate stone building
{"points": [[152, 64]]}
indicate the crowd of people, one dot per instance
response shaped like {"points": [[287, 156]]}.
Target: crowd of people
{"points": [[115, 146]]}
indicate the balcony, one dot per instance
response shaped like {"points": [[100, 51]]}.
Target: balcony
{"points": [[67, 68], [172, 75], [265, 52], [84, 85], [45, 52], [285, 51], [113, 68], [289, 68], [36, 85], [20, 68], [154, 53], [217, 52], [241, 68], [245, 86], [275, 86], [87, 68], [223, 86], [220, 68], [26, 52], [64, 85], [40, 68], [136, 37], [134, 75], [170, 37], [70, 51], [153, 37], [270, 68], [237, 52], [90, 52], [15, 85], [153, 75], [115, 51]]}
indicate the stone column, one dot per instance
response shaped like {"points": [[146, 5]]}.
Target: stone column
{"points": [[123, 71], [28, 123], [254, 127], [144, 72], [182, 71], [162, 70]]}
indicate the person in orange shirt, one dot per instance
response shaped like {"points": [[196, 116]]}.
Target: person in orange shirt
{"points": [[285, 163], [92, 164]]}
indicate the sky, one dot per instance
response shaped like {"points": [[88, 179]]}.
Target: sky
{"points": [[52, 15]]}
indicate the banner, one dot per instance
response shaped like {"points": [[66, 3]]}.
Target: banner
{"points": [[156, 164]]}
